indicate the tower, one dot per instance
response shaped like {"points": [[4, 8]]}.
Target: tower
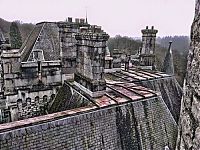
{"points": [[147, 55], [11, 69], [91, 49], [10, 73]]}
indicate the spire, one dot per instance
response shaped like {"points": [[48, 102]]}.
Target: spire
{"points": [[86, 17], [168, 65]]}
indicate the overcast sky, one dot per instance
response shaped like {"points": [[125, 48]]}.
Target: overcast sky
{"points": [[124, 17]]}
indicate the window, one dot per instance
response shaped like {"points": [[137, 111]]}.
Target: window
{"points": [[45, 98], [38, 55]]}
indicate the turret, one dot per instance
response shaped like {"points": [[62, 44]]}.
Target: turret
{"points": [[147, 55]]}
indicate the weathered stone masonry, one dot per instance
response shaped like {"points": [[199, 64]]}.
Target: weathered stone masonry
{"points": [[140, 125], [189, 125], [101, 109]]}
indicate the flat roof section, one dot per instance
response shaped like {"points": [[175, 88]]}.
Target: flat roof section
{"points": [[136, 75]]}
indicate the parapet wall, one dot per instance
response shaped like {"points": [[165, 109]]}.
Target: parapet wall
{"points": [[140, 125]]}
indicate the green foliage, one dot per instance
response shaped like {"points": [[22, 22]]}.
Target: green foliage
{"points": [[126, 44], [24, 28], [180, 43], [15, 36], [180, 49]]}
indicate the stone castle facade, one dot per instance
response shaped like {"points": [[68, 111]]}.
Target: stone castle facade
{"points": [[68, 92], [32, 75]]}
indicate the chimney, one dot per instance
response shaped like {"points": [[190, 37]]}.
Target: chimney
{"points": [[147, 55], [70, 19], [117, 54], [82, 21], [91, 49], [77, 20]]}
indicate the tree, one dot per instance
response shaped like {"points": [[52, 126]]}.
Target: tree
{"points": [[124, 43], [15, 36]]}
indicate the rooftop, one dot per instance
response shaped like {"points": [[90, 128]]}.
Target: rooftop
{"points": [[119, 91]]}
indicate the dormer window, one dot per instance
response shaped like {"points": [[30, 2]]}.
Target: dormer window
{"points": [[38, 55]]}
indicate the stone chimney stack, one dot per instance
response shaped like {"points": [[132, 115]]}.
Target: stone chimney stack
{"points": [[149, 40], [147, 56], [117, 54], [91, 49], [69, 19], [68, 51]]}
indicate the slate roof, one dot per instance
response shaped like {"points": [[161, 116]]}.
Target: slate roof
{"points": [[159, 82], [27, 46], [120, 88], [45, 37], [124, 87]]}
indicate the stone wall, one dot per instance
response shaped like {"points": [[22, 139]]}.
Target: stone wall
{"points": [[146, 125], [189, 125]]}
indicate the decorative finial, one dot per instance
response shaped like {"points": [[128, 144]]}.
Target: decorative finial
{"points": [[170, 45]]}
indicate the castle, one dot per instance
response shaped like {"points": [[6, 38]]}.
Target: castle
{"points": [[63, 90]]}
